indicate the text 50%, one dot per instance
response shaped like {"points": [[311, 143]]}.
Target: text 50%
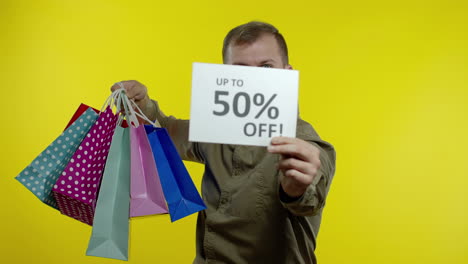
{"points": [[241, 104]]}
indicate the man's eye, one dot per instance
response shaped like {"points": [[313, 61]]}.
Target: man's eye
{"points": [[267, 66]]}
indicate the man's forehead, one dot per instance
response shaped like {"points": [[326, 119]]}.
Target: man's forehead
{"points": [[262, 37], [263, 49]]}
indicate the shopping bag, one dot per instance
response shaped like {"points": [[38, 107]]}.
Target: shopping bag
{"points": [[146, 193], [76, 189], [81, 109], [109, 238], [40, 176], [181, 194]]}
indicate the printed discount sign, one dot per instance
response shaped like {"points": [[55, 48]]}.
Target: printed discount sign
{"points": [[242, 105]]}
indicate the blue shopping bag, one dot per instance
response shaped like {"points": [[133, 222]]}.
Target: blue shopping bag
{"points": [[41, 175], [180, 193]]}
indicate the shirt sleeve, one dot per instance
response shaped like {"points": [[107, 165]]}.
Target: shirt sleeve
{"points": [[313, 200], [178, 130]]}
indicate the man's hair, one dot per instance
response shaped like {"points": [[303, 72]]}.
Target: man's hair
{"points": [[248, 33]]}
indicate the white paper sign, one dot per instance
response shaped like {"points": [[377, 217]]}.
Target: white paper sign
{"points": [[242, 105]]}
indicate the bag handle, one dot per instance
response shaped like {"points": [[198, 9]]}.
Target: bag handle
{"points": [[143, 116], [134, 110], [111, 100], [129, 112], [131, 109]]}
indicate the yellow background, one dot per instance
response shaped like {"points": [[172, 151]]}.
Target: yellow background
{"points": [[384, 81]]}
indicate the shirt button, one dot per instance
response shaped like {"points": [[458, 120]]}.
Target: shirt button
{"points": [[223, 201]]}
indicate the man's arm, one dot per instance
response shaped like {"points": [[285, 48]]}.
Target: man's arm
{"points": [[177, 128], [307, 167]]}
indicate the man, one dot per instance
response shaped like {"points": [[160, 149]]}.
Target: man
{"points": [[264, 205]]}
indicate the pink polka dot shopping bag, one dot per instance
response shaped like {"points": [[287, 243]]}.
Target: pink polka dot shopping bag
{"points": [[77, 187]]}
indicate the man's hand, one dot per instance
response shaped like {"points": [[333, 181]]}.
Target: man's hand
{"points": [[300, 163], [137, 92]]}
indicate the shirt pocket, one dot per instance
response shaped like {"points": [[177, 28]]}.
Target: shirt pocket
{"points": [[251, 196]]}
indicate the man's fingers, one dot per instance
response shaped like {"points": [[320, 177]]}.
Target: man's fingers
{"points": [[301, 150], [297, 179], [126, 84], [283, 140], [299, 165], [114, 87], [133, 89]]}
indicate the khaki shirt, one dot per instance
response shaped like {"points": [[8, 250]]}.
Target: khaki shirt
{"points": [[248, 218]]}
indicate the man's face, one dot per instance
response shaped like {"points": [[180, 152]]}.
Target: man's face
{"points": [[264, 52]]}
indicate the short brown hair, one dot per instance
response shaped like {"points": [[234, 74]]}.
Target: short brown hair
{"points": [[248, 33]]}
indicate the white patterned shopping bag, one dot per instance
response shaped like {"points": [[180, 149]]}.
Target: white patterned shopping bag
{"points": [[40, 176]]}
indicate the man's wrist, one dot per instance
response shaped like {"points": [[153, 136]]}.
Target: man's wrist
{"points": [[151, 109], [286, 198]]}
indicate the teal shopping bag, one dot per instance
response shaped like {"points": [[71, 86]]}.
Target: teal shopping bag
{"points": [[41, 175], [109, 238]]}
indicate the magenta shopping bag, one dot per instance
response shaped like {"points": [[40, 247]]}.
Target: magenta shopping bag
{"points": [[146, 193], [76, 189]]}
